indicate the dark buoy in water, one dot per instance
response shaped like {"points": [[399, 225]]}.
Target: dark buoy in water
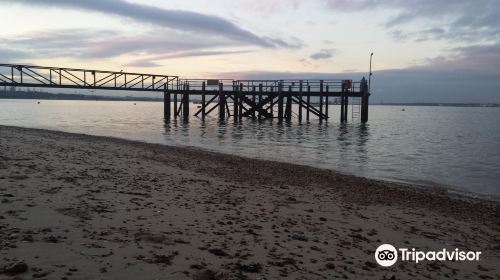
{"points": [[403, 109], [38, 102]]}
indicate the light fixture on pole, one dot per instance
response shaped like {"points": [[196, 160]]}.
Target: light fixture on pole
{"points": [[370, 75]]}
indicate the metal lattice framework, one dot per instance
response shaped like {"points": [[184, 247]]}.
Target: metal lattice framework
{"points": [[57, 77]]}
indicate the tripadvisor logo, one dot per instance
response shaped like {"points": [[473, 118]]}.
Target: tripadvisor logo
{"points": [[387, 255]]}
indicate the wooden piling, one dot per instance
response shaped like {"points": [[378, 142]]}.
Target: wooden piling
{"points": [[280, 101], [253, 100], [271, 99], [288, 108], [166, 102], [327, 101], [222, 102], [235, 101], [261, 89], [203, 101], [321, 100], [175, 101], [240, 101], [300, 101], [365, 96], [346, 101], [308, 101], [342, 102], [185, 103]]}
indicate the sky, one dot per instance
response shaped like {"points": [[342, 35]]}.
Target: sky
{"points": [[424, 50]]}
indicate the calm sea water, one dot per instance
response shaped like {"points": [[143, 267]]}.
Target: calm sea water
{"points": [[458, 148]]}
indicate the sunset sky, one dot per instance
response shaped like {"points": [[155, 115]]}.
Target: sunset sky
{"points": [[425, 50]]}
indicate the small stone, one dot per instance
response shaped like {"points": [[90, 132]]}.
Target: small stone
{"points": [[330, 265], [217, 252], [41, 274], [323, 219], [17, 268]]}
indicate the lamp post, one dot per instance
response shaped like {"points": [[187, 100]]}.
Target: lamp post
{"points": [[370, 75]]}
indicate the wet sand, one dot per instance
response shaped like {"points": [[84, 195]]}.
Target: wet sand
{"points": [[74, 206]]}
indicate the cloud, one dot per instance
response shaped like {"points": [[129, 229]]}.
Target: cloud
{"points": [[172, 19], [454, 20], [323, 54], [481, 58], [149, 62], [147, 49]]}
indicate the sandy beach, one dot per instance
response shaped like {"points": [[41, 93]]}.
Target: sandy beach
{"points": [[84, 207]]}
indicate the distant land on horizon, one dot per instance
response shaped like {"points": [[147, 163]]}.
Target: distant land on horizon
{"points": [[9, 94]]}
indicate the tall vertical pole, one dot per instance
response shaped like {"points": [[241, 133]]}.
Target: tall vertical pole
{"points": [[222, 102], [166, 102], [370, 75], [203, 101]]}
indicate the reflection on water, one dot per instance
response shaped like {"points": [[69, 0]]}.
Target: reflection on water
{"points": [[457, 147]]}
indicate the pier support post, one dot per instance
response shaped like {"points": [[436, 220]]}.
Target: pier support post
{"points": [[260, 99], [300, 101], [308, 101], [175, 100], [327, 92], [253, 100], [346, 100], [235, 100], [288, 108], [342, 103], [240, 101], [280, 101], [203, 101], [321, 100], [222, 102], [271, 98], [365, 96], [185, 103], [166, 102]]}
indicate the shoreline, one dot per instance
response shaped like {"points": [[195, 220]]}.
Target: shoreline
{"points": [[216, 212], [454, 191]]}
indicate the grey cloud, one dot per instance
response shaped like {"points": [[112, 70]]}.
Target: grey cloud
{"points": [[483, 58], [87, 44], [458, 19], [175, 19], [149, 62], [323, 54]]}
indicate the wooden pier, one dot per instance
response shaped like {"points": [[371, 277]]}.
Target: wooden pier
{"points": [[258, 99]]}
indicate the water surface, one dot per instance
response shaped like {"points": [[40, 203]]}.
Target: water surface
{"points": [[455, 147]]}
